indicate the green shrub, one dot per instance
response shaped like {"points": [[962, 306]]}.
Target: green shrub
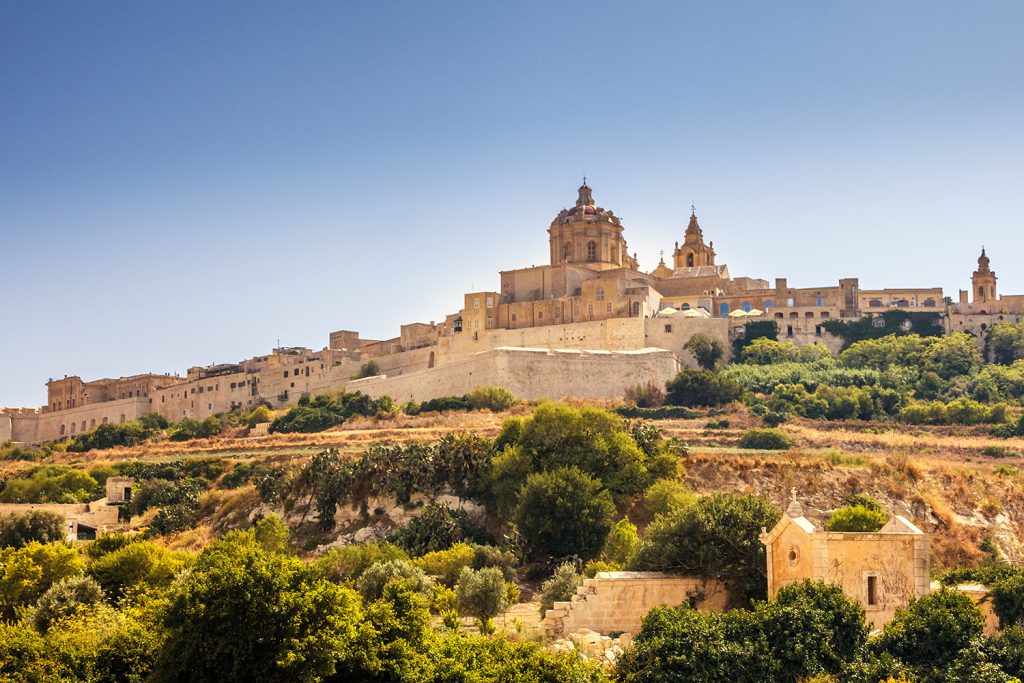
{"points": [[701, 388], [447, 564], [661, 413], [138, 565], [348, 562], [766, 439], [1008, 600], [368, 369], [560, 587], [1001, 452], [648, 395], [329, 410], [111, 435], [494, 399], [856, 518], [766, 351], [705, 349], [716, 537], [373, 580], [65, 598], [666, 496], [18, 529], [564, 512], [622, 543], [51, 484], [436, 528]]}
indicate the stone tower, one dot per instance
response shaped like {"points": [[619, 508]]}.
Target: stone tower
{"points": [[983, 282], [693, 253], [589, 235]]}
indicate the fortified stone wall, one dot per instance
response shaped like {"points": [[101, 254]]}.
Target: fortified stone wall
{"points": [[66, 423], [616, 602], [529, 374]]}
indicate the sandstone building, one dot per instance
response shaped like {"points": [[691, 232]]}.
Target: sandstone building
{"points": [[589, 324]]}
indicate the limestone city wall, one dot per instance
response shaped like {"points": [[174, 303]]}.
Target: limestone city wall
{"points": [[529, 374], [64, 423], [616, 602]]}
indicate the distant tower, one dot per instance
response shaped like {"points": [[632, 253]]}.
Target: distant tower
{"points": [[983, 282], [693, 252]]}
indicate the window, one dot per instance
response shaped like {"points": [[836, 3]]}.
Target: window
{"points": [[201, 389], [789, 301], [104, 421], [540, 315], [567, 251], [809, 314], [490, 302], [746, 306], [819, 302], [209, 406], [875, 303], [794, 315], [723, 310], [817, 330], [981, 292], [591, 251], [285, 373], [590, 310], [600, 294], [872, 590], [476, 302], [668, 329], [689, 260], [513, 317], [636, 309], [768, 303], [825, 314], [608, 307], [789, 330]]}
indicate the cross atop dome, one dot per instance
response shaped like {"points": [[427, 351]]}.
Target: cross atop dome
{"points": [[586, 197]]}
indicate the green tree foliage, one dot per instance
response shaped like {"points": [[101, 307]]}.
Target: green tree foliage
{"points": [[65, 598], [373, 580], [665, 496], [622, 543], [111, 435], [768, 439], [958, 411], [348, 562], [856, 518], [557, 435], [564, 512], [705, 349], [1008, 600], [51, 484], [154, 422], [810, 629], [329, 410], [243, 612], [717, 537], [494, 399], [483, 595], [701, 388], [137, 566], [836, 403], [21, 528], [26, 573], [560, 587], [1006, 342], [893, 323], [766, 351], [480, 658], [929, 634], [437, 527], [1007, 650], [368, 369], [752, 331]]}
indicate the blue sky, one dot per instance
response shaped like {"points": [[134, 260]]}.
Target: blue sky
{"points": [[186, 183]]}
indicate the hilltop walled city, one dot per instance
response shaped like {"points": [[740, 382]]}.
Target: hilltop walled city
{"points": [[586, 326]]}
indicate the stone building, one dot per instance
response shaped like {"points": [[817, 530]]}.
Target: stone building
{"points": [[880, 570], [545, 332]]}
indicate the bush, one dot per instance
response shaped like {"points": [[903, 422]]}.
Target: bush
{"points": [[649, 395], [716, 537], [662, 413], [436, 528], [329, 410], [930, 633], [64, 599], [768, 439], [368, 369], [766, 351], [138, 565], [560, 587], [51, 484], [1008, 600], [447, 564], [21, 528], [372, 582], [622, 543], [348, 562], [705, 349], [494, 399], [482, 594], [856, 518], [666, 496], [564, 512], [259, 415], [701, 388], [111, 435]]}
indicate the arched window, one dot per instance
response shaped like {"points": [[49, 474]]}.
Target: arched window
{"points": [[62, 430], [430, 361], [746, 306], [567, 251], [636, 309], [689, 260], [768, 303], [903, 303], [929, 303], [685, 307], [73, 427], [723, 310], [591, 251], [875, 303], [819, 302], [981, 292]]}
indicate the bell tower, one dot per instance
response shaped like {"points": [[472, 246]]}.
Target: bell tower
{"points": [[693, 253], [983, 282]]}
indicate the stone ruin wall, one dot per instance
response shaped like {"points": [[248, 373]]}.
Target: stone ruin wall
{"points": [[616, 602]]}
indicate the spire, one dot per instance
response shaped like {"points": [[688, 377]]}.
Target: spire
{"points": [[983, 261]]}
